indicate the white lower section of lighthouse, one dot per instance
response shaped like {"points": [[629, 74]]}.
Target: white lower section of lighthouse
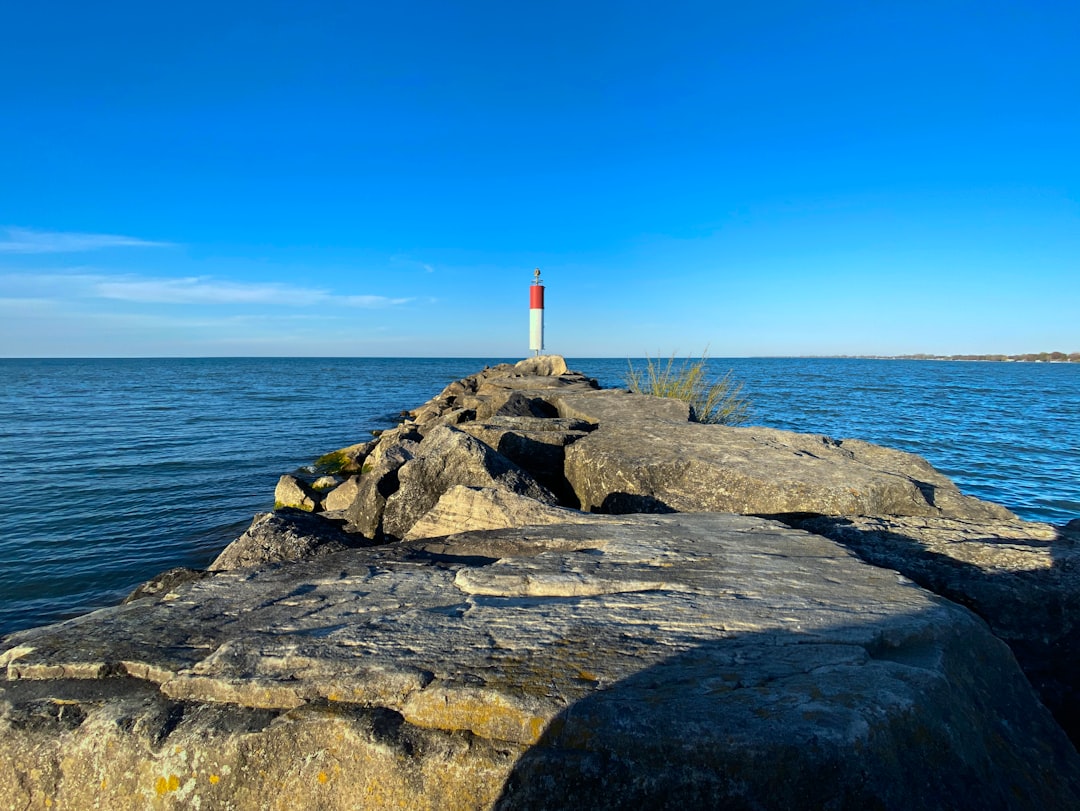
{"points": [[536, 330]]}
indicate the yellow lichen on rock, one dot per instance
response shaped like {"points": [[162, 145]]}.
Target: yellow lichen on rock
{"points": [[164, 785], [486, 713]]}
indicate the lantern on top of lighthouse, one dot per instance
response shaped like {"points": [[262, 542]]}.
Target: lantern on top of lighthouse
{"points": [[536, 314]]}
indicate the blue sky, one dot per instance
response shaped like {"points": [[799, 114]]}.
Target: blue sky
{"points": [[381, 179]]}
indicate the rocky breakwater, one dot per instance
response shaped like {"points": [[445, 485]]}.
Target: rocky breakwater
{"points": [[447, 628]]}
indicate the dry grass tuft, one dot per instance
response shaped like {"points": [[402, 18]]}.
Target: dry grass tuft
{"points": [[717, 402]]}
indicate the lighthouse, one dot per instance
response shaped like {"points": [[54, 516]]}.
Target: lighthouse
{"points": [[536, 314]]}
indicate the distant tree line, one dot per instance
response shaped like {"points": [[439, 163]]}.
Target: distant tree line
{"points": [[1031, 357]]}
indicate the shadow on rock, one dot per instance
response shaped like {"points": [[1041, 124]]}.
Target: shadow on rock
{"points": [[1021, 578], [627, 503], [794, 721]]}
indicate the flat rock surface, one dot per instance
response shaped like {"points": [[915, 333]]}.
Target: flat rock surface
{"points": [[646, 457], [619, 405], [646, 661]]}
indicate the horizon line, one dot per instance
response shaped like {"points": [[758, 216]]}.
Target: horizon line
{"points": [[990, 356]]}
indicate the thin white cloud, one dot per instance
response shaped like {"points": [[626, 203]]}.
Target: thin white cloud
{"points": [[28, 240], [204, 290], [371, 302], [16, 304], [404, 259], [200, 290]]}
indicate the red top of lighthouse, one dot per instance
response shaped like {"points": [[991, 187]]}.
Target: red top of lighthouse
{"points": [[536, 292]]}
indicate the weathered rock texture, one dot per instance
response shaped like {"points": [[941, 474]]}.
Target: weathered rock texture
{"points": [[523, 389], [537, 444], [165, 582], [521, 448], [342, 496], [448, 457], [285, 535], [1022, 577], [293, 493], [646, 457], [650, 661], [377, 483], [464, 509]]}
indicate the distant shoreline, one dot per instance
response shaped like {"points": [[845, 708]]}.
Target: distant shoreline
{"points": [[1033, 357]]}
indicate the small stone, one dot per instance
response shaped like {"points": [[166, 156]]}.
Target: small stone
{"points": [[325, 483], [292, 492]]}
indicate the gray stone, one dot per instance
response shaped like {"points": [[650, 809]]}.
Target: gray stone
{"points": [[502, 387], [285, 535], [406, 435], [1021, 577], [293, 493], [536, 444], [164, 583], [342, 496], [648, 661], [620, 406], [428, 412], [499, 383], [376, 485], [456, 389], [636, 463], [503, 396], [541, 384], [521, 405], [447, 457], [456, 416]]}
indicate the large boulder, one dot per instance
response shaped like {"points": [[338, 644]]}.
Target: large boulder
{"points": [[285, 535], [406, 435], [693, 661], [542, 365], [537, 444], [644, 457], [376, 484], [1022, 577], [447, 457]]}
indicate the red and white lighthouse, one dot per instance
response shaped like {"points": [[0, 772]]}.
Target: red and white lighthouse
{"points": [[536, 314]]}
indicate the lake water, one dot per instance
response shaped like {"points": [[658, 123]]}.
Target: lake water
{"points": [[114, 470]]}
